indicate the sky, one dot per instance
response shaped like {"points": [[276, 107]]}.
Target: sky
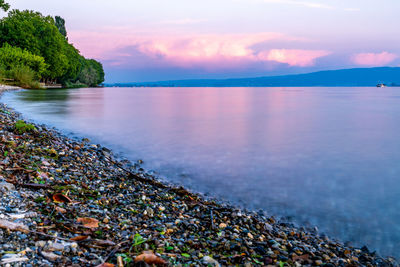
{"points": [[154, 40]]}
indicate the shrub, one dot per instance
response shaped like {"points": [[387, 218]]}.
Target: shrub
{"points": [[24, 77], [74, 85], [12, 57], [21, 127]]}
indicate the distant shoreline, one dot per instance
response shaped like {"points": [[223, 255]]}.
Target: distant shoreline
{"points": [[359, 77]]}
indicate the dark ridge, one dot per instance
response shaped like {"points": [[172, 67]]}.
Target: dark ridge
{"points": [[389, 76]]}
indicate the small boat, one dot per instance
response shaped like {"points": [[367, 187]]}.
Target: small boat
{"points": [[381, 85]]}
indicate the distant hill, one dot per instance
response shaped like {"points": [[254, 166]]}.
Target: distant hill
{"points": [[346, 77]]}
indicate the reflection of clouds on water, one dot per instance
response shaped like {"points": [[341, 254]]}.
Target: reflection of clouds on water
{"points": [[322, 156]]}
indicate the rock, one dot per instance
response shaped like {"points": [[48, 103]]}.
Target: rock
{"points": [[318, 262], [149, 211], [326, 257], [6, 187], [268, 227], [50, 256], [55, 247], [11, 258], [40, 244], [22, 215], [14, 226], [210, 261]]}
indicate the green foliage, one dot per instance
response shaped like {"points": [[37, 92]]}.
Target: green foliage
{"points": [[39, 42], [21, 127], [74, 85], [92, 73], [4, 6], [74, 66], [137, 240], [37, 34], [40, 199], [20, 75], [60, 24], [13, 57], [125, 257], [24, 77]]}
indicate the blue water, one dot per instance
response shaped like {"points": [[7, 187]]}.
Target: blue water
{"points": [[328, 157]]}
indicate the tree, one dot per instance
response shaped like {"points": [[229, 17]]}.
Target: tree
{"points": [[46, 37], [14, 57], [92, 73], [4, 6], [99, 70], [60, 24], [75, 64], [37, 34]]}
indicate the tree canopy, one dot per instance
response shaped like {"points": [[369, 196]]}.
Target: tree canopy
{"points": [[45, 37], [4, 6], [60, 24], [12, 57]]}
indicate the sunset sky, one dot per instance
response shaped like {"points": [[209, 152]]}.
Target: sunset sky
{"points": [[155, 40]]}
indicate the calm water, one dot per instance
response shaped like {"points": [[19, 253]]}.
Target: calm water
{"points": [[323, 156]]}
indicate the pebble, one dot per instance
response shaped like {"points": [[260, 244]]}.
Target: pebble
{"points": [[210, 261], [50, 256], [6, 187], [222, 225], [55, 247]]}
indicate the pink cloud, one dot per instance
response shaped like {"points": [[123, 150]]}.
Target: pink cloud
{"points": [[373, 59], [208, 51], [294, 57], [204, 49]]}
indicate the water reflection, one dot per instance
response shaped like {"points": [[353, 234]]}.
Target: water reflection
{"points": [[324, 156]]}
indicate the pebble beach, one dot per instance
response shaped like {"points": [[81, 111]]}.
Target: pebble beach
{"points": [[68, 202]]}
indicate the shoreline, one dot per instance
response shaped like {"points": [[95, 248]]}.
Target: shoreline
{"points": [[56, 183], [8, 87]]}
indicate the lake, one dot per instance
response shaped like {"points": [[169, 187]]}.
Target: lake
{"points": [[328, 157]]}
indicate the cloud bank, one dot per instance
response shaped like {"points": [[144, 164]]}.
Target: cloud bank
{"points": [[207, 51], [374, 59]]}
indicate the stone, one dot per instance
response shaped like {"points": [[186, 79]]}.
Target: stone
{"points": [[55, 247], [50, 256], [6, 187], [268, 227], [40, 244], [14, 226], [222, 225], [210, 261], [11, 258]]}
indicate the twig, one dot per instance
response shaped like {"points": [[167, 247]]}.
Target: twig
{"points": [[116, 248], [135, 176], [212, 219], [49, 236], [32, 186]]}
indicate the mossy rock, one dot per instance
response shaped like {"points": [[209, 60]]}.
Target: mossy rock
{"points": [[21, 127]]}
